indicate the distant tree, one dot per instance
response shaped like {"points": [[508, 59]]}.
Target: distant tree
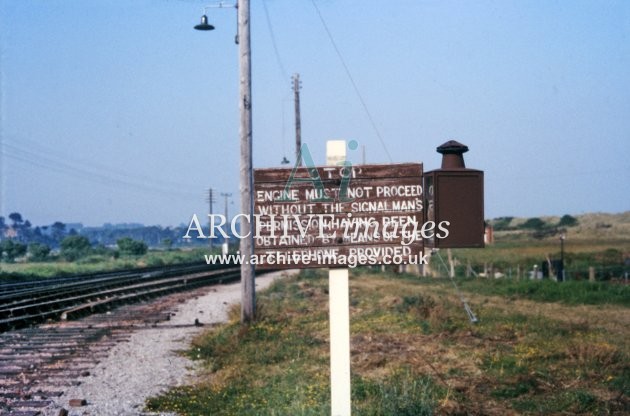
{"points": [[25, 233], [74, 247], [16, 217], [533, 224], [502, 223], [167, 243], [132, 247], [567, 221], [3, 224], [10, 250], [57, 230], [38, 251]]}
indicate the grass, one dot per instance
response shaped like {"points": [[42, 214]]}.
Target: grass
{"points": [[571, 292], [508, 257], [94, 264], [599, 240], [279, 366], [413, 352]]}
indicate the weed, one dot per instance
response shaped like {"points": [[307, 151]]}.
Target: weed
{"points": [[401, 394], [417, 304], [413, 352]]}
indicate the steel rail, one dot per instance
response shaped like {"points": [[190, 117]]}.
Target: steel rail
{"points": [[75, 298]]}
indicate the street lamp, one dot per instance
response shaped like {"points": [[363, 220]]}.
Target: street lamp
{"points": [[204, 24], [248, 289]]}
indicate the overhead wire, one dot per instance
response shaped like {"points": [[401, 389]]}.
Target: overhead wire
{"points": [[89, 165], [94, 178], [49, 164], [283, 70], [354, 84], [286, 99]]}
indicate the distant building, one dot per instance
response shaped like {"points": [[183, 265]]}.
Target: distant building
{"points": [[121, 226], [76, 226], [10, 232]]}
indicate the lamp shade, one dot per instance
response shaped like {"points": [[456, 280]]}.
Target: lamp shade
{"points": [[204, 24]]}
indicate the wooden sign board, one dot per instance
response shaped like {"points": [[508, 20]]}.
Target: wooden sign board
{"points": [[337, 216]]}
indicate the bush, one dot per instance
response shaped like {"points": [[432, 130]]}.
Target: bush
{"points": [[132, 247], [38, 251], [93, 259], [10, 250], [153, 261], [74, 247], [502, 223], [533, 224], [567, 221], [103, 251]]}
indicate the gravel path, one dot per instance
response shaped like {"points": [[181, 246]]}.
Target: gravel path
{"points": [[148, 363]]}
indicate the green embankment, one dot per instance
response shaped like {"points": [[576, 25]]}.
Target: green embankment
{"points": [[414, 352]]}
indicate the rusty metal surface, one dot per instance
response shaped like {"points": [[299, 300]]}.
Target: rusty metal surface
{"points": [[36, 363], [452, 154], [68, 300], [456, 196]]}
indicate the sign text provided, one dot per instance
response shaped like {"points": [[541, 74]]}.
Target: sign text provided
{"points": [[334, 216]]}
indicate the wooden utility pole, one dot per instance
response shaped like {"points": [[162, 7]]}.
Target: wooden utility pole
{"points": [[226, 196], [248, 284], [298, 122], [210, 201], [227, 219]]}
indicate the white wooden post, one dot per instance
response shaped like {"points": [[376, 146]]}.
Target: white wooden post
{"points": [[338, 294]]}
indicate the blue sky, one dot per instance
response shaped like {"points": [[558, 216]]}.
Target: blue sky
{"points": [[118, 111]]}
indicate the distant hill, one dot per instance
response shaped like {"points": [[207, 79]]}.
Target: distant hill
{"points": [[592, 226]]}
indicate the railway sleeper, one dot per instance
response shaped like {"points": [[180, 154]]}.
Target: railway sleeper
{"points": [[22, 413]]}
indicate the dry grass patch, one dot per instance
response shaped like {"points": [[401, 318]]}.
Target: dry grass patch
{"points": [[413, 352]]}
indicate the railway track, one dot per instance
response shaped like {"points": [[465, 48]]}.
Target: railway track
{"points": [[42, 349], [53, 299]]}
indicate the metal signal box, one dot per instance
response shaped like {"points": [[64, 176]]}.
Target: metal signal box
{"points": [[453, 194]]}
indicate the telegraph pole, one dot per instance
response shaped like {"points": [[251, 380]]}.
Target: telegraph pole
{"points": [[298, 122], [226, 244], [246, 178], [227, 219], [210, 200], [226, 196], [248, 285]]}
